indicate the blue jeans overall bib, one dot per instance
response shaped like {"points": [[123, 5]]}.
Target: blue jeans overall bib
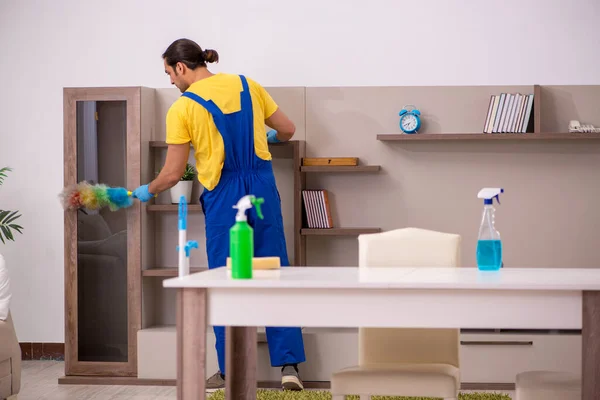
{"points": [[245, 173]]}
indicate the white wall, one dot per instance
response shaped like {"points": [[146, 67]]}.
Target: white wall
{"points": [[47, 45]]}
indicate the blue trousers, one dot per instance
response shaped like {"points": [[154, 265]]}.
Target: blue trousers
{"points": [[286, 345]]}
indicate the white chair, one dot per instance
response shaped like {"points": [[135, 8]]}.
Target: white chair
{"points": [[547, 385], [404, 362]]}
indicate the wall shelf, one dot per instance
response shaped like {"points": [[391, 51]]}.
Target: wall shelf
{"points": [[338, 231], [163, 144], [169, 271], [340, 168], [487, 136], [278, 150], [172, 208], [158, 144]]}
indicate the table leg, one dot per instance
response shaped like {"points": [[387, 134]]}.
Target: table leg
{"points": [[191, 344], [240, 363], [591, 346]]}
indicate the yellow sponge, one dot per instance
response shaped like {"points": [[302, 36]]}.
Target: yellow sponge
{"points": [[261, 263]]}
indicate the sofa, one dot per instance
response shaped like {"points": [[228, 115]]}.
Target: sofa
{"points": [[10, 351], [10, 360]]}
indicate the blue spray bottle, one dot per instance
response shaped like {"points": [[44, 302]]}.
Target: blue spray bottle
{"points": [[185, 246], [489, 245]]}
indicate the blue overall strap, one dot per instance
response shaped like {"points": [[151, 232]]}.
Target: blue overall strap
{"points": [[236, 129], [216, 113], [246, 152], [210, 106]]}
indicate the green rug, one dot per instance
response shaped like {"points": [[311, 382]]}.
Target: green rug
{"points": [[265, 394]]}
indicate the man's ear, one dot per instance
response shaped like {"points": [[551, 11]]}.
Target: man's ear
{"points": [[179, 68]]}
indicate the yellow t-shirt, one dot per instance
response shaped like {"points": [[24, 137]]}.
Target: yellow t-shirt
{"points": [[188, 121]]}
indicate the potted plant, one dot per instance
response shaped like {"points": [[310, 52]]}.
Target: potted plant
{"points": [[184, 186], [7, 217]]}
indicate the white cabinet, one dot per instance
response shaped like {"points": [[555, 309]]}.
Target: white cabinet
{"points": [[498, 357], [485, 357]]}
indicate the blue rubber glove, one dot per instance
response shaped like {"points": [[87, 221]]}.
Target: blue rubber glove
{"points": [[272, 136], [142, 193]]}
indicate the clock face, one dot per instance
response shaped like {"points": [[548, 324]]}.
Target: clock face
{"points": [[409, 122]]}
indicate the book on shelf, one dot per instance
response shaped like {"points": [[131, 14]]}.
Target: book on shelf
{"points": [[317, 209], [323, 161], [509, 113]]}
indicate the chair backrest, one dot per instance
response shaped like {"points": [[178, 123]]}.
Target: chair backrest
{"points": [[409, 247]]}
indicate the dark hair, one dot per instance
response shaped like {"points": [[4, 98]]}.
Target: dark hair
{"points": [[188, 52]]}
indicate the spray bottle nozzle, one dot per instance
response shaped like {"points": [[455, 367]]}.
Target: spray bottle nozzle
{"points": [[489, 194], [246, 203], [257, 201]]}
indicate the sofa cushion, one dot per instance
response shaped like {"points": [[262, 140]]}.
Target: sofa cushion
{"points": [[4, 368], [91, 227], [5, 386], [4, 290]]}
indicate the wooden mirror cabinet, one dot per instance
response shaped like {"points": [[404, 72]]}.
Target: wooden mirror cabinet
{"points": [[106, 136]]}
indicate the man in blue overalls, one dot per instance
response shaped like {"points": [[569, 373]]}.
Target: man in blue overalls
{"points": [[223, 116]]}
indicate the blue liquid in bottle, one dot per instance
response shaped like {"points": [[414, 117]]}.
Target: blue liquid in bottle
{"points": [[489, 254]]}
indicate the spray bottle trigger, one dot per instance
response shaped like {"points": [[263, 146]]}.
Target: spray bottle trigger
{"points": [[256, 202], [191, 244], [497, 197]]}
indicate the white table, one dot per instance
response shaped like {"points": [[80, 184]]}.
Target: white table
{"points": [[519, 298]]}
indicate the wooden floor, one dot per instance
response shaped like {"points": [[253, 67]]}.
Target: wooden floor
{"points": [[40, 382]]}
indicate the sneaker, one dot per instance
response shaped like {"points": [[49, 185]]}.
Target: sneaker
{"points": [[290, 380], [217, 381]]}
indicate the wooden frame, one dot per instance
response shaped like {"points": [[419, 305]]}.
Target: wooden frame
{"points": [[298, 150], [132, 97]]}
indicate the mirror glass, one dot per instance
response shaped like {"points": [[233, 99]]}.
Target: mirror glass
{"points": [[102, 235]]}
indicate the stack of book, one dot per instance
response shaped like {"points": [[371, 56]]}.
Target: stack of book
{"points": [[317, 210], [509, 113]]}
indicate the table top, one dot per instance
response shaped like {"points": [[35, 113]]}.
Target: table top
{"points": [[567, 279]]}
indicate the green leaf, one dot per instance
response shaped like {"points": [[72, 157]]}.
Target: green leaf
{"points": [[189, 173], [3, 172], [12, 217], [7, 234], [7, 217], [17, 228], [7, 226]]}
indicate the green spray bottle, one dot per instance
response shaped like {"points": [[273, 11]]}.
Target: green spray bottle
{"points": [[241, 238]]}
